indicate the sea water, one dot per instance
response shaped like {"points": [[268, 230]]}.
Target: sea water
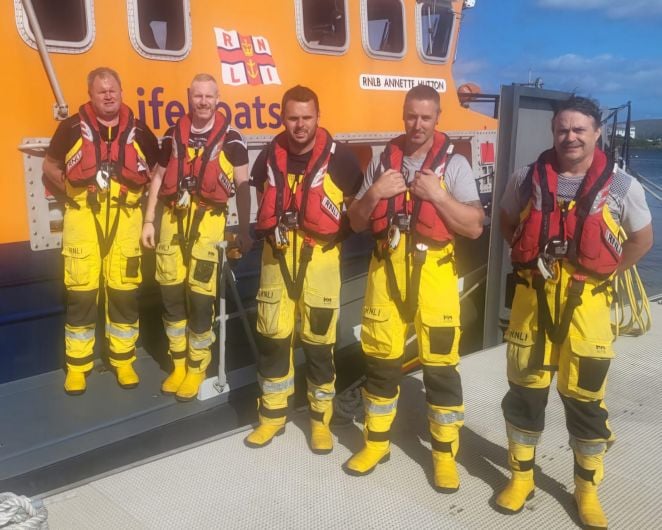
{"points": [[648, 163]]}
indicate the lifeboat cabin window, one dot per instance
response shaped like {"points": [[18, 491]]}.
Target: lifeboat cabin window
{"points": [[160, 29], [67, 25], [435, 21], [383, 24], [322, 25]]}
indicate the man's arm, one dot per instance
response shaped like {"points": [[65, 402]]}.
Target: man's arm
{"points": [[507, 226], [148, 233], [243, 207], [637, 245], [465, 219], [54, 172]]}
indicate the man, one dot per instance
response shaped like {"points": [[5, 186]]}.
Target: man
{"points": [[561, 216], [305, 179], [415, 198], [100, 159], [202, 161]]}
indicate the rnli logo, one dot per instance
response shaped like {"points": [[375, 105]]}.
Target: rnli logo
{"points": [[226, 183], [612, 241], [331, 208], [74, 251], [261, 294], [215, 151], [374, 312], [74, 159], [520, 335]]}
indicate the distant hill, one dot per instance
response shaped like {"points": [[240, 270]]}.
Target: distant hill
{"points": [[651, 129]]}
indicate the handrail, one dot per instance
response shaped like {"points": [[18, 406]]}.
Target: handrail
{"points": [[61, 109]]}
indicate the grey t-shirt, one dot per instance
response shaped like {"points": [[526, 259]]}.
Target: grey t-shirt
{"points": [[626, 199], [458, 176]]}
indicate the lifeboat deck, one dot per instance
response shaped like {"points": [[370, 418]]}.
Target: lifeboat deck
{"points": [[221, 483]]}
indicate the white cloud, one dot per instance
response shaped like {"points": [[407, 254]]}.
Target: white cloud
{"points": [[610, 79], [613, 8]]}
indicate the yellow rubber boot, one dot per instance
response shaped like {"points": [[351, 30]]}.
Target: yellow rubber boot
{"points": [[126, 376], [320, 402], [589, 472], [366, 460], [521, 487], [445, 443], [188, 390], [172, 383], [266, 430], [74, 383], [379, 415]]}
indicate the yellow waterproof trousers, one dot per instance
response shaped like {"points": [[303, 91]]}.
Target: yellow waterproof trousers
{"points": [[100, 235], [437, 324], [186, 268], [317, 308], [581, 358]]}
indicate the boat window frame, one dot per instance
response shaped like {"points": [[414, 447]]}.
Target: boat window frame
{"points": [[319, 48], [57, 46], [155, 53], [432, 59], [365, 34]]}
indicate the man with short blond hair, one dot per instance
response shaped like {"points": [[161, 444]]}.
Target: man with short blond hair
{"points": [[203, 163]]}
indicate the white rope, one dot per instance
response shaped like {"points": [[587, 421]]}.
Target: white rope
{"points": [[19, 513]]}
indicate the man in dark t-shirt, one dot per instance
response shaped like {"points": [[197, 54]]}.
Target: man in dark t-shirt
{"points": [[305, 180], [100, 159], [203, 162]]}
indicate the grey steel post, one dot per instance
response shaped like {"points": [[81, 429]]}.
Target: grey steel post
{"points": [[61, 109]]}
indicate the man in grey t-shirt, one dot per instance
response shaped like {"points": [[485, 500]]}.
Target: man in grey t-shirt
{"points": [[562, 216], [415, 197]]}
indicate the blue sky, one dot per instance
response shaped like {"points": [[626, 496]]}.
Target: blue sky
{"points": [[610, 50]]}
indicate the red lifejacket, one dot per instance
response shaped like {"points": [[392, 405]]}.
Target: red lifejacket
{"points": [[211, 183], [592, 247], [318, 215], [426, 222], [81, 169]]}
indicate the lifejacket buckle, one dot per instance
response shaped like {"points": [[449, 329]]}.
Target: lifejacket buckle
{"points": [[555, 249], [290, 220], [402, 221]]}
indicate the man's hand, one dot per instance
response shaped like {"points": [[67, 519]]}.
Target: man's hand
{"points": [[245, 242], [389, 184], [147, 236], [426, 186]]}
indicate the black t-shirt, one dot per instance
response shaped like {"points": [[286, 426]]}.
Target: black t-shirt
{"points": [[234, 146], [68, 133], [344, 169]]}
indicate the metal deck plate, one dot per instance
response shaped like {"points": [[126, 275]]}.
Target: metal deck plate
{"points": [[223, 484]]}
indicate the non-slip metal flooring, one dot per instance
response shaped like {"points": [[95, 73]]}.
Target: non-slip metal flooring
{"points": [[223, 484]]}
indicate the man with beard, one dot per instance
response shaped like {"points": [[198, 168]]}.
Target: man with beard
{"points": [[305, 179], [203, 162]]}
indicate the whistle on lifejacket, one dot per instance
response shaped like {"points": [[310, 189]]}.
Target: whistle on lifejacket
{"points": [[281, 239]]}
